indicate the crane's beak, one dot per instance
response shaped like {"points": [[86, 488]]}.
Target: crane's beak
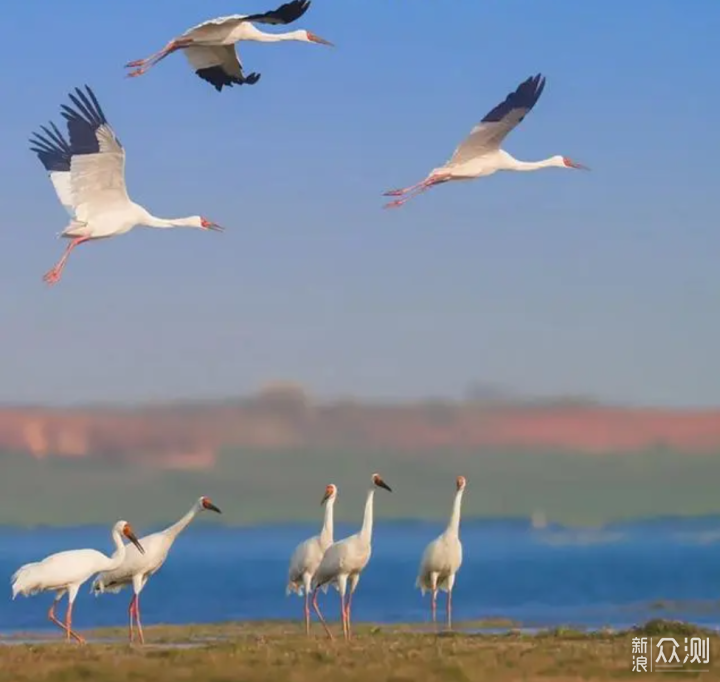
{"points": [[215, 227], [133, 538], [326, 497], [381, 484], [211, 507], [320, 41], [579, 166]]}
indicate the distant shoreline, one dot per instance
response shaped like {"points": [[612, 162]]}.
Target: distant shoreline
{"points": [[517, 522]]}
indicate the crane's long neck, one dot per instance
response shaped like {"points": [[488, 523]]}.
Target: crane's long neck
{"points": [[263, 37], [153, 221], [367, 524], [179, 526], [119, 556], [552, 162], [328, 529], [454, 523]]}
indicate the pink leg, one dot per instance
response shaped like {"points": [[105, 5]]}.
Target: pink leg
{"points": [[405, 190], [433, 606], [68, 625], [319, 615], [54, 619], [131, 611], [422, 187], [449, 609], [137, 619], [53, 275], [347, 612], [343, 613], [142, 65], [307, 613]]}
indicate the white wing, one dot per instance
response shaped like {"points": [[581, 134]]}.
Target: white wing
{"points": [[156, 548], [54, 153], [207, 56], [57, 571], [349, 554], [488, 135], [214, 30], [306, 558], [221, 26], [97, 165]]}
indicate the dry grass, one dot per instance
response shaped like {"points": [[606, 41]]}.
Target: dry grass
{"points": [[279, 652]]}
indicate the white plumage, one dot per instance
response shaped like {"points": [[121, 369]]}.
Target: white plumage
{"points": [[88, 174], [480, 154], [344, 560], [210, 46], [136, 568], [67, 571], [443, 557], [308, 555]]}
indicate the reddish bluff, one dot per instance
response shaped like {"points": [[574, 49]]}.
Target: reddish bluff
{"points": [[182, 436]]}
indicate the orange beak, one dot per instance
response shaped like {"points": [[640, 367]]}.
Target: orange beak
{"points": [[320, 41], [572, 164]]}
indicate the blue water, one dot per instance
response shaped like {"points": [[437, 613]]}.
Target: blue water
{"points": [[539, 578]]}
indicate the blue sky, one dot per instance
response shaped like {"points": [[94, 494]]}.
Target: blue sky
{"points": [[604, 283]]}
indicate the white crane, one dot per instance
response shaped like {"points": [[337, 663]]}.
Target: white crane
{"points": [[479, 154], [88, 174], [344, 560], [67, 571], [137, 568], [442, 558], [308, 555], [210, 46]]}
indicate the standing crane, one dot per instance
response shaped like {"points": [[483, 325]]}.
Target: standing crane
{"points": [[137, 568], [443, 557], [344, 560], [88, 174], [67, 571], [479, 154], [210, 46], [308, 555]]}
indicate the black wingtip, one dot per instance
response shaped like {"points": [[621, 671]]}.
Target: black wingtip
{"points": [[218, 78], [525, 96], [51, 148], [285, 14]]}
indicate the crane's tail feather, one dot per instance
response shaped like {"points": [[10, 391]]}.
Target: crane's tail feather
{"points": [[76, 228], [99, 587], [26, 581], [294, 587], [323, 587], [424, 583]]}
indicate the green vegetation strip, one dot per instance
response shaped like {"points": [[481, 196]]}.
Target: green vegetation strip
{"points": [[268, 487]]}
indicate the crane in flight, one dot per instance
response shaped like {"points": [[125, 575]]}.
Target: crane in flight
{"points": [[88, 174], [67, 571], [136, 567], [210, 46], [442, 558], [344, 560], [479, 154], [308, 555]]}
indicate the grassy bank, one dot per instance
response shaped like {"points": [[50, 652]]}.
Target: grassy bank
{"points": [[276, 652], [258, 487]]}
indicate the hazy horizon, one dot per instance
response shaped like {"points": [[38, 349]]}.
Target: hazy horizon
{"points": [[556, 282]]}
